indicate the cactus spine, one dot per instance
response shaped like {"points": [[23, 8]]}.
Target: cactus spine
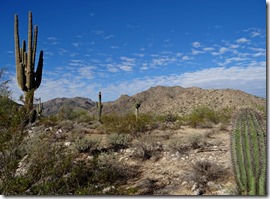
{"points": [[248, 149], [137, 106], [28, 79], [99, 106]]}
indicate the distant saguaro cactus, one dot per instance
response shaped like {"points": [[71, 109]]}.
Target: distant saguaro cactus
{"points": [[99, 106], [28, 79], [248, 149], [39, 107], [137, 106]]}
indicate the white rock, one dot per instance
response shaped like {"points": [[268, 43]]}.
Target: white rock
{"points": [[108, 189], [67, 143], [184, 183]]}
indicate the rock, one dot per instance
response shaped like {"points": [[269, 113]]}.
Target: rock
{"points": [[49, 129], [184, 183], [194, 187], [22, 167], [108, 189], [67, 143]]}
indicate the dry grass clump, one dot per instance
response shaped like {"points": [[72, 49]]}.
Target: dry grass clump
{"points": [[203, 171], [196, 141], [176, 145], [147, 147]]}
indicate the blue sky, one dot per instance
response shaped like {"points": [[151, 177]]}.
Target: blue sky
{"points": [[127, 46]]}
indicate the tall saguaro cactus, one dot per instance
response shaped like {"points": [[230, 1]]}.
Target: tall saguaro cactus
{"points": [[248, 149], [28, 79], [99, 106]]}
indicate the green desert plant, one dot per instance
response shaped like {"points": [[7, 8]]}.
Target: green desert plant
{"points": [[99, 107], [127, 123], [28, 79], [248, 149], [86, 143], [137, 106], [118, 141]]}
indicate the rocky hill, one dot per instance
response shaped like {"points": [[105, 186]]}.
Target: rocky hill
{"points": [[164, 100], [53, 106]]}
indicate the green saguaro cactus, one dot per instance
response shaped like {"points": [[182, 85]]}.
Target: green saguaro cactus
{"points": [[28, 79], [99, 106], [137, 106], [248, 149]]}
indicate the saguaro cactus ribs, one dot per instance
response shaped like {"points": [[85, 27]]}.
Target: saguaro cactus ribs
{"points": [[248, 149]]}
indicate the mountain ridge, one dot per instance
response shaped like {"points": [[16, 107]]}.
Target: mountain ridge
{"points": [[162, 100]]}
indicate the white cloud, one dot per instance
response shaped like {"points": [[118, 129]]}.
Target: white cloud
{"points": [[195, 52], [232, 59], [234, 46], [196, 44], [255, 34], [112, 68], [222, 50], [86, 72], [127, 59], [75, 44], [52, 38], [208, 49], [114, 47], [186, 58], [125, 68], [144, 66], [251, 79], [242, 40]]}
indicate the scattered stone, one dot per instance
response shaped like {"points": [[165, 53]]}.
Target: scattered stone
{"points": [[67, 143], [184, 183], [49, 129], [108, 189]]}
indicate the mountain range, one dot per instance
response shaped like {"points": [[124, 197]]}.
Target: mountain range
{"points": [[162, 100]]}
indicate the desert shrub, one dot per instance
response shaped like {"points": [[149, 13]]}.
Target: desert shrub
{"points": [[204, 117], [78, 115], [176, 145], [196, 141], [148, 147], [11, 135], [49, 121], [119, 140], [54, 169], [203, 171], [86, 143], [127, 123]]}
